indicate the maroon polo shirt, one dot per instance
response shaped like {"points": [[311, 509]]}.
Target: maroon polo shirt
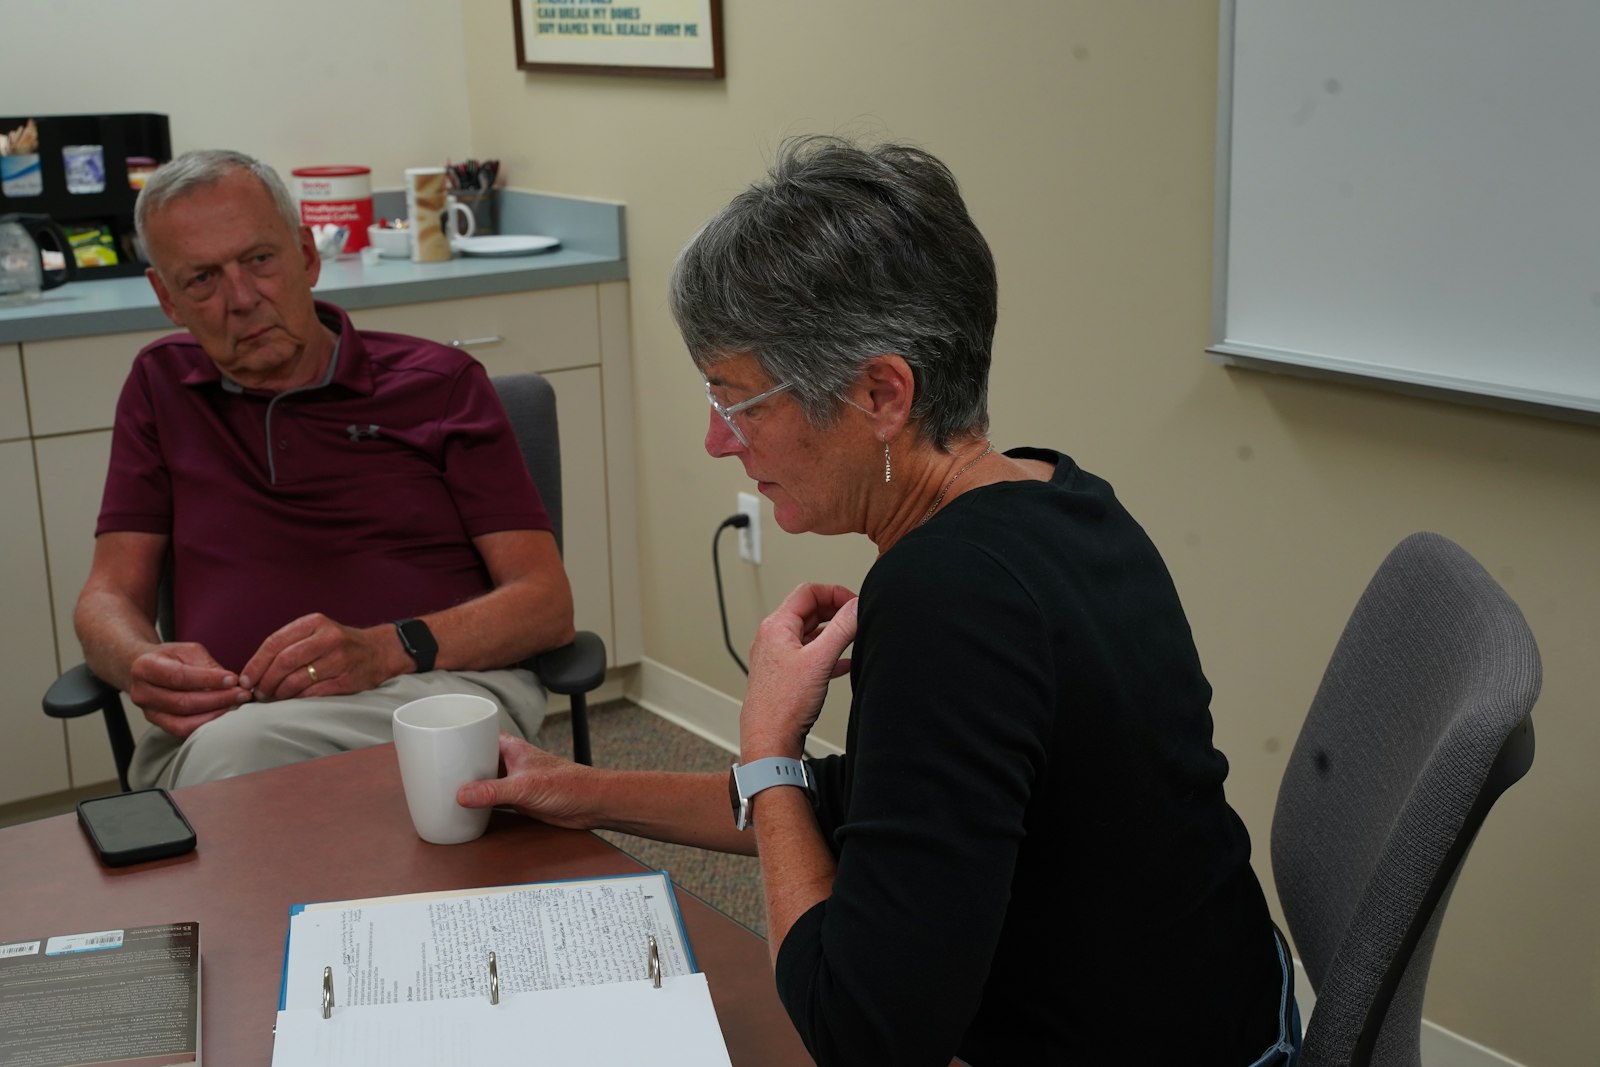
{"points": [[357, 497]]}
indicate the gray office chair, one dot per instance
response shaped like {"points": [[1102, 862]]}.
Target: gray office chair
{"points": [[573, 670], [577, 669], [1421, 722]]}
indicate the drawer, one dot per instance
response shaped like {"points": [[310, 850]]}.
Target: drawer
{"points": [[13, 405], [73, 384], [542, 330]]}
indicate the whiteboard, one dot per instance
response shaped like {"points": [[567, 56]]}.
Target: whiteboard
{"points": [[1409, 191]]}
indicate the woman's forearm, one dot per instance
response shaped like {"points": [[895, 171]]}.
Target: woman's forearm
{"points": [[797, 869], [684, 808]]}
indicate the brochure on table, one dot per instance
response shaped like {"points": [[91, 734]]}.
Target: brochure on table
{"points": [[125, 996]]}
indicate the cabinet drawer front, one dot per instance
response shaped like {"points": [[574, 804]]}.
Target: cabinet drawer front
{"points": [[543, 330], [73, 384], [13, 406]]}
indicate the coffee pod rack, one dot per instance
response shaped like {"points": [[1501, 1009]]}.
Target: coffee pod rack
{"points": [[81, 177]]}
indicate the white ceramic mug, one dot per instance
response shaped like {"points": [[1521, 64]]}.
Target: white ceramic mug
{"points": [[452, 206], [443, 743]]}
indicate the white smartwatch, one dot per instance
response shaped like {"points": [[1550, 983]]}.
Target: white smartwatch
{"points": [[746, 780]]}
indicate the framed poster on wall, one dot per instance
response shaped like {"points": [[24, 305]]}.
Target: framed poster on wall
{"points": [[659, 38]]}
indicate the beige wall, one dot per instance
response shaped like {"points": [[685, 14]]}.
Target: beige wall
{"points": [[1082, 132], [1083, 135], [294, 82]]}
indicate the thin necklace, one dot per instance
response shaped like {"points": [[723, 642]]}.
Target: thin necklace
{"points": [[933, 507]]}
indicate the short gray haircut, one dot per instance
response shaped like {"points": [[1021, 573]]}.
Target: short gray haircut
{"points": [[841, 254], [196, 170]]}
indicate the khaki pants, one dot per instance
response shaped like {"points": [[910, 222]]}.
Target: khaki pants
{"points": [[255, 737]]}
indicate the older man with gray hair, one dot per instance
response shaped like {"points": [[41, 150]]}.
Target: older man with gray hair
{"points": [[344, 516]]}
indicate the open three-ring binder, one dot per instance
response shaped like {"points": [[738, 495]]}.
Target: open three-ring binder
{"points": [[593, 971]]}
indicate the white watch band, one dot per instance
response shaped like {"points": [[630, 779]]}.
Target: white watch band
{"points": [[748, 779]]}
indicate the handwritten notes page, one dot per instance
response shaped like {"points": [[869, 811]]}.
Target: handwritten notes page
{"points": [[435, 946], [411, 978]]}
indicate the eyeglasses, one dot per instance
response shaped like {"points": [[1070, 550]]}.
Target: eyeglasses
{"points": [[731, 410]]}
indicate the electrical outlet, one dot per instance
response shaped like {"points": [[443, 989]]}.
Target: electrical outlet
{"points": [[750, 536]]}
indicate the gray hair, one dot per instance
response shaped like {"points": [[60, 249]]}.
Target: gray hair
{"points": [[839, 255], [196, 170]]}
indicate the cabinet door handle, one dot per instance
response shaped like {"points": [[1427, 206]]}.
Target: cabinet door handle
{"points": [[469, 342]]}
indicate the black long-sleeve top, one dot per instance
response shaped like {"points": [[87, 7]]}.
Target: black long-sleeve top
{"points": [[1036, 860]]}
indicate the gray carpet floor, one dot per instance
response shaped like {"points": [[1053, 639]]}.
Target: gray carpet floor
{"points": [[625, 736]]}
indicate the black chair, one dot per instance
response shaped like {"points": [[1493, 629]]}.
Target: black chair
{"points": [[1421, 722], [573, 670]]}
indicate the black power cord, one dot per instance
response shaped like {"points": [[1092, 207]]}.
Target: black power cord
{"points": [[738, 522]]}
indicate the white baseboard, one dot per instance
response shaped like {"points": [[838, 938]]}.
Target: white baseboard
{"points": [[685, 702], [1440, 1047], [697, 707]]}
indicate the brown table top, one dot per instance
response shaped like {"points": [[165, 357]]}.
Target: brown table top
{"points": [[335, 829]]}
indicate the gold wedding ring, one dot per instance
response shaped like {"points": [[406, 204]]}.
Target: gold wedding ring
{"points": [[311, 671]]}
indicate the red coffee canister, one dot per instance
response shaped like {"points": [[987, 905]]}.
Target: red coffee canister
{"points": [[340, 196]]}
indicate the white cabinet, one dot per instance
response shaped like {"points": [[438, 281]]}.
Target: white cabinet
{"points": [[13, 404], [72, 476], [73, 384], [33, 759], [57, 403]]}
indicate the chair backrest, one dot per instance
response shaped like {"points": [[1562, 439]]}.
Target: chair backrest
{"points": [[1421, 722], [530, 404]]}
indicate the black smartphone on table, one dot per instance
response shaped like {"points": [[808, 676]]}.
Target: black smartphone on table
{"points": [[134, 827]]}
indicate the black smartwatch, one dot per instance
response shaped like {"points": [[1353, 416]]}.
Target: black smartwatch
{"points": [[417, 640]]}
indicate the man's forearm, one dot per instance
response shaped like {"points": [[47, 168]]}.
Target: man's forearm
{"points": [[503, 627], [113, 632], [528, 610], [179, 687]]}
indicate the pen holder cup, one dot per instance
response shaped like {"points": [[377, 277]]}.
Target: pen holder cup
{"points": [[483, 205]]}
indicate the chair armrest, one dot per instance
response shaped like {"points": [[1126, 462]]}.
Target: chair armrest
{"points": [[78, 692], [575, 668]]}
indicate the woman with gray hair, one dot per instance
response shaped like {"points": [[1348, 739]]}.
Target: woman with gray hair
{"points": [[1025, 854]]}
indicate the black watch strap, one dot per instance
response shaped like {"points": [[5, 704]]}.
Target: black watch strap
{"points": [[417, 640]]}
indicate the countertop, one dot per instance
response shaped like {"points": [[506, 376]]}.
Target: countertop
{"points": [[591, 251]]}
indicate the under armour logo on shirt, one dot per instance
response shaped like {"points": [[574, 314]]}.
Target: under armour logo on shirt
{"points": [[357, 433]]}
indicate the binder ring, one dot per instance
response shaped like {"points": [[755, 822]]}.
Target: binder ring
{"points": [[655, 962], [327, 992], [494, 980]]}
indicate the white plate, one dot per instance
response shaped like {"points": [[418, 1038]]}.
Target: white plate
{"points": [[509, 244]]}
